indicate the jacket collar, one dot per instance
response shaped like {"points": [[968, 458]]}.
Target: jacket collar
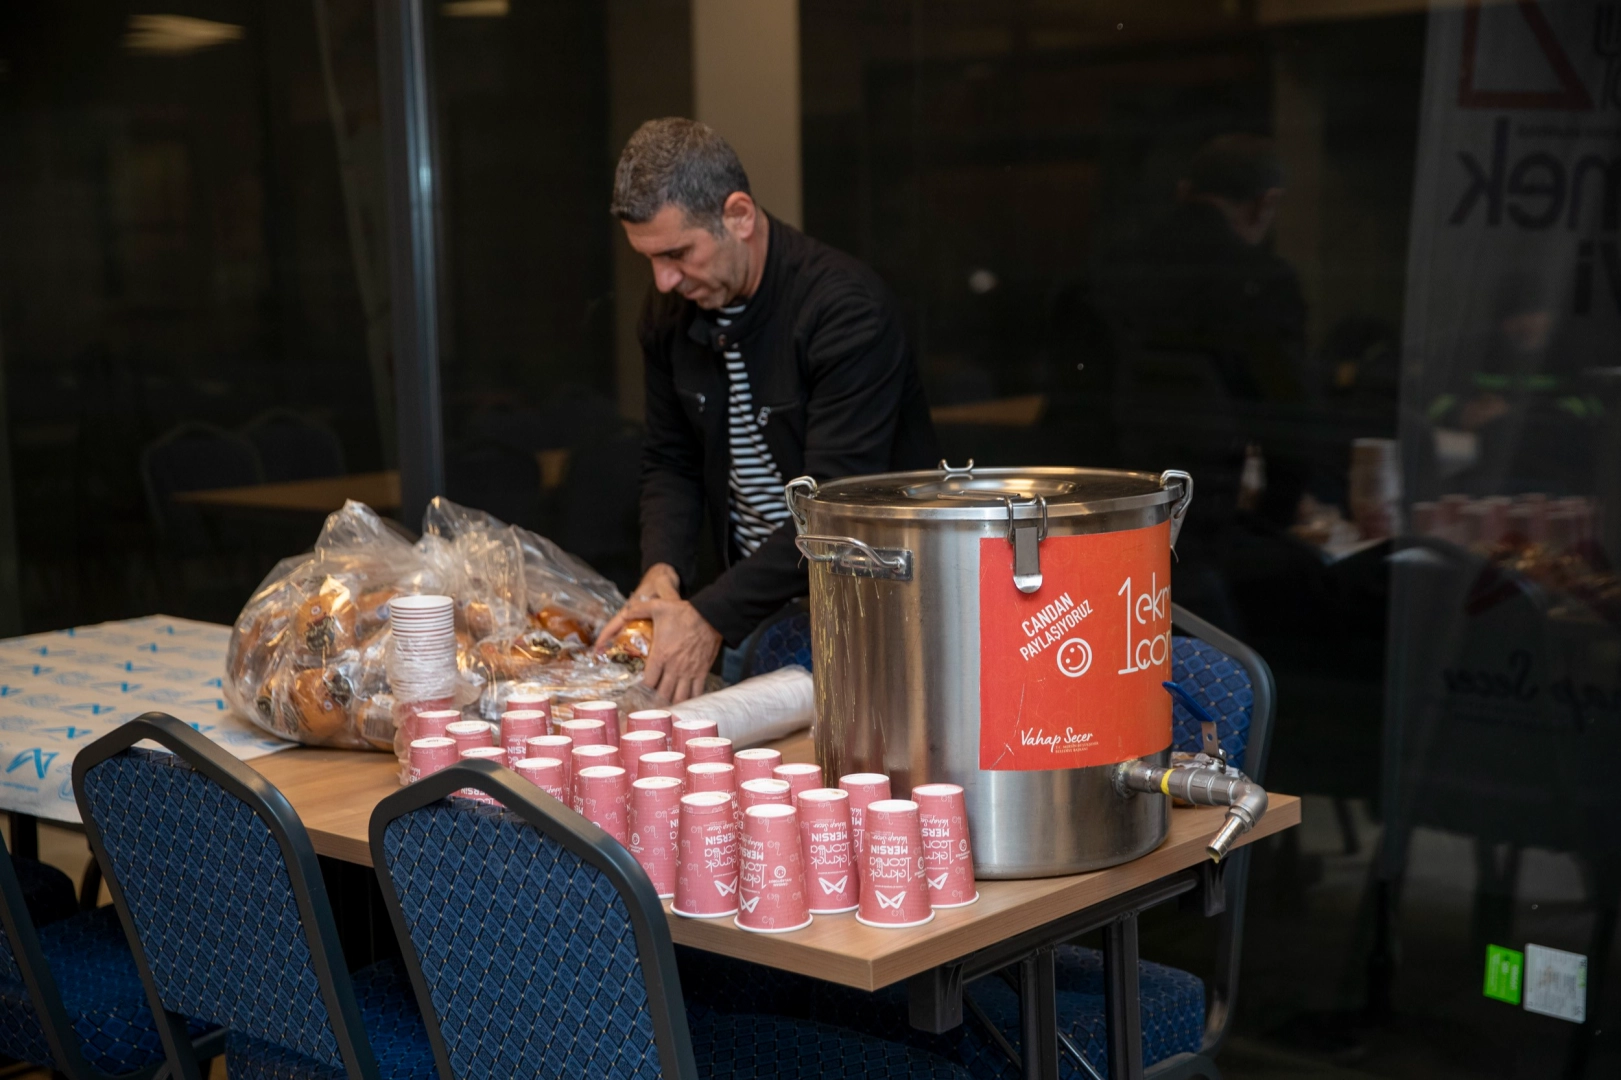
{"points": [[703, 329]]}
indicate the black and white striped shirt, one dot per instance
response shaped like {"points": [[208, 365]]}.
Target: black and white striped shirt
{"points": [[755, 483]]}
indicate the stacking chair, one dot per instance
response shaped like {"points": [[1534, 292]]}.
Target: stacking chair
{"points": [[1181, 1033], [537, 948], [784, 640], [221, 897], [47, 892], [70, 996]]}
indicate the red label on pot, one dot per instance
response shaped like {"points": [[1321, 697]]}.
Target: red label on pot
{"points": [[1069, 675]]}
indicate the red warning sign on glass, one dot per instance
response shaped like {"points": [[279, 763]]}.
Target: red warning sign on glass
{"points": [[1069, 675]]}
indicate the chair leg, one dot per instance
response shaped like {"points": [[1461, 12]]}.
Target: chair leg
{"points": [[90, 887]]}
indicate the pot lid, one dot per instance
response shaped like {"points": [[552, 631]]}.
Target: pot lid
{"points": [[969, 492]]}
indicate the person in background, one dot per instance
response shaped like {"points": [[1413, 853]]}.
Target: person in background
{"points": [[768, 355]]}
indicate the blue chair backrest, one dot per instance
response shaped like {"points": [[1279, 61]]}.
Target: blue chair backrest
{"points": [[784, 642], [1219, 683], [527, 951], [205, 884]]}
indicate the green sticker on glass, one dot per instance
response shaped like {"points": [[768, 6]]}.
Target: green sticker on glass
{"points": [[1503, 973]]}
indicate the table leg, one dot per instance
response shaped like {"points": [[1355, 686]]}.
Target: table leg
{"points": [[934, 999], [1038, 1003], [1121, 999], [25, 836]]}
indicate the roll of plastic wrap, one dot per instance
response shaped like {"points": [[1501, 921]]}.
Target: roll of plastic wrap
{"points": [[757, 710]]}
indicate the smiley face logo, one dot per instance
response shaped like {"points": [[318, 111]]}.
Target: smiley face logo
{"points": [[1074, 657]]}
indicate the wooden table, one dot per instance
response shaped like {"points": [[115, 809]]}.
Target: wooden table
{"points": [[1014, 922]]}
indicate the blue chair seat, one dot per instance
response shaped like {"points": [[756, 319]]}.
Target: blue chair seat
{"points": [[47, 891], [1173, 1004], [388, 1011], [101, 990], [741, 1046]]}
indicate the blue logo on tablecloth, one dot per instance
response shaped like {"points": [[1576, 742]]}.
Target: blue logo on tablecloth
{"points": [[17, 723], [216, 681], [68, 732], [38, 757], [203, 703], [89, 707], [74, 678], [7, 691], [150, 646], [130, 665]]}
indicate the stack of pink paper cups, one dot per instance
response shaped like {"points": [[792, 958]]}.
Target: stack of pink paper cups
{"points": [[517, 728], [655, 813], [602, 797], [706, 871], [948, 857], [606, 711], [824, 833], [548, 774], [771, 871], [560, 747], [634, 744], [894, 888]]}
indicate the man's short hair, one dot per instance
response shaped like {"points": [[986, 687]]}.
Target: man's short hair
{"points": [[676, 161], [1238, 167]]}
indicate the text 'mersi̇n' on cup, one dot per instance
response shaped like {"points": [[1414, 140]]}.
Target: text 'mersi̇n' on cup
{"points": [[431, 754], [583, 732], [655, 814], [634, 744], [470, 733], [864, 788], [894, 890], [756, 764], [547, 773], [709, 748], [560, 747], [761, 792], [602, 797], [682, 730], [606, 711], [706, 863], [665, 763], [771, 871], [948, 857], [824, 837], [481, 753], [518, 728], [651, 720]]}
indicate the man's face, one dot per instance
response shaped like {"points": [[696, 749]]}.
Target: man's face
{"points": [[709, 270]]}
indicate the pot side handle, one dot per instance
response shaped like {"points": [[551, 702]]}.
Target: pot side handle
{"points": [[1179, 509]]}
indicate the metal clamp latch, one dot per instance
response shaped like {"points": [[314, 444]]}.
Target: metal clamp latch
{"points": [[967, 470], [1179, 509], [1026, 536], [855, 558], [805, 485]]}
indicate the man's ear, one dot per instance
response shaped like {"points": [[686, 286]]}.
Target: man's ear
{"points": [[739, 215]]}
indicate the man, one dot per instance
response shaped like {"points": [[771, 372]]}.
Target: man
{"points": [[768, 356]]}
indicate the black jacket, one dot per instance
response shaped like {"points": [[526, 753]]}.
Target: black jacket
{"points": [[838, 395]]}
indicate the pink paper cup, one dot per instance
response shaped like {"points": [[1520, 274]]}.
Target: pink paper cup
{"points": [[606, 711], [431, 723], [894, 890], [583, 732], [484, 753], [602, 797], [824, 838], [529, 701], [682, 730], [655, 814], [560, 747], [548, 774], [948, 858], [664, 763], [762, 793], [864, 788], [634, 744], [429, 755], [801, 776], [712, 776], [517, 728], [756, 764], [771, 872], [586, 756], [706, 862], [709, 748], [470, 733], [651, 720]]}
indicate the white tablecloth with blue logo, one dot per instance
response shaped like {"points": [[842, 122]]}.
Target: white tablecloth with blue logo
{"points": [[61, 690]]}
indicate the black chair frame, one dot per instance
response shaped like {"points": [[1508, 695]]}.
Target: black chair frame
{"points": [[298, 855], [594, 847]]}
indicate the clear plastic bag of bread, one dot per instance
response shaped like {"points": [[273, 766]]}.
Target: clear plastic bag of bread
{"points": [[308, 657]]}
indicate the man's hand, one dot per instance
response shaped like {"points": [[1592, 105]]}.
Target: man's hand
{"points": [[684, 647], [659, 583]]}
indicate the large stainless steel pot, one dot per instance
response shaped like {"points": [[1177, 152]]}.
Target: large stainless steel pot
{"points": [[902, 565]]}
